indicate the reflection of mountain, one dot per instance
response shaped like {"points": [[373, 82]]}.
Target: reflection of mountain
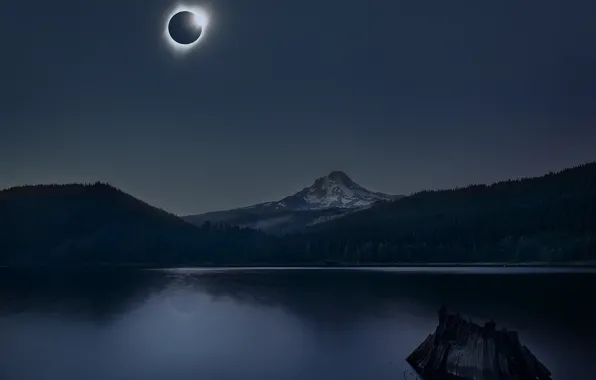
{"points": [[325, 299], [340, 297], [90, 294]]}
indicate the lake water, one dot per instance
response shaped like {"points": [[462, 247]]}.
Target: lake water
{"points": [[284, 324]]}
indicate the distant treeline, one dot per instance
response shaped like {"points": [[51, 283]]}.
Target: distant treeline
{"points": [[546, 219], [98, 224], [550, 218]]}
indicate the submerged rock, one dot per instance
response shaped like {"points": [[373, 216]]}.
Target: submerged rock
{"points": [[463, 350]]}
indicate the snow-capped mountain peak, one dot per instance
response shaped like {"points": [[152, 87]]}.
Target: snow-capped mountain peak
{"points": [[333, 190], [330, 197]]}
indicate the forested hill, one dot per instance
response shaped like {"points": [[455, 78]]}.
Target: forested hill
{"points": [[99, 224], [549, 218]]}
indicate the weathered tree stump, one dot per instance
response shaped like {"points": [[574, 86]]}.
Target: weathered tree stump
{"points": [[463, 350]]}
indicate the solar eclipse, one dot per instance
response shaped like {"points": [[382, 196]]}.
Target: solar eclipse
{"points": [[185, 27]]}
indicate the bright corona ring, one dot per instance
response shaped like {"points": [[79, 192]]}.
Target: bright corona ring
{"points": [[185, 26]]}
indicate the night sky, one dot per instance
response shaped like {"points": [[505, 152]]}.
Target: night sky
{"points": [[402, 95]]}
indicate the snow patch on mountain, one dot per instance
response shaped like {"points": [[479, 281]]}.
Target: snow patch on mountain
{"points": [[330, 197], [335, 190]]}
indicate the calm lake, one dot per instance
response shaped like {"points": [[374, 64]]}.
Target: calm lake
{"points": [[282, 324]]}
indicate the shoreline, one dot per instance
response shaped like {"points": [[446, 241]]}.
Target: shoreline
{"points": [[503, 266]]}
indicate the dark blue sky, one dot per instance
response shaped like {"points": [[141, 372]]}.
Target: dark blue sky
{"points": [[402, 95]]}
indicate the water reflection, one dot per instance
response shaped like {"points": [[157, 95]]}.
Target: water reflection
{"points": [[345, 295], [292, 324], [91, 295]]}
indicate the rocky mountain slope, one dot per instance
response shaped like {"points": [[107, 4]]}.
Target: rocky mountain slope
{"points": [[329, 197]]}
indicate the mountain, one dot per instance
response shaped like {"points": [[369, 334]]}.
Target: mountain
{"points": [[551, 218], [328, 198], [99, 224], [546, 219], [335, 190]]}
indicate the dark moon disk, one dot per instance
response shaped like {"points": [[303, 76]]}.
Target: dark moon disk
{"points": [[183, 28]]}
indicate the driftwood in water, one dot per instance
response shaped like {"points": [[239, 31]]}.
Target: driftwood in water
{"points": [[462, 350]]}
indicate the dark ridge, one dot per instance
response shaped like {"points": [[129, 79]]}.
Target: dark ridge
{"points": [[58, 192], [551, 218], [98, 224], [568, 173]]}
